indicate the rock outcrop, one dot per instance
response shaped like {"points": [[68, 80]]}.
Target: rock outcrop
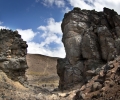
{"points": [[12, 55], [91, 39], [104, 86]]}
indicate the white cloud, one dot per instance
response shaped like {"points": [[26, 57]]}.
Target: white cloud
{"points": [[4, 27], [52, 34], [36, 48], [43, 47], [58, 3], [52, 27], [66, 9], [27, 35], [96, 4], [79, 3]]}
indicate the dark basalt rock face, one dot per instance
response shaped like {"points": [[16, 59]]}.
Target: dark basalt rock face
{"points": [[13, 52], [91, 39]]}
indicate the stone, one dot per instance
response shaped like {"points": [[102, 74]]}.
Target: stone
{"points": [[13, 52], [62, 94], [83, 95], [91, 39], [82, 88], [90, 72]]}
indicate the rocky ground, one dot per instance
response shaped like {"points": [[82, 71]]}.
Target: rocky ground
{"points": [[105, 86]]}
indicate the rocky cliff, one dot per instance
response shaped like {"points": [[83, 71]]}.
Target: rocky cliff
{"points": [[91, 39], [12, 55]]}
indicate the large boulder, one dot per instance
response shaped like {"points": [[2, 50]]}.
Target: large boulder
{"points": [[91, 39], [13, 52]]}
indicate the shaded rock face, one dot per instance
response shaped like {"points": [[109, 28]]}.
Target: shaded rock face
{"points": [[12, 55], [91, 39]]}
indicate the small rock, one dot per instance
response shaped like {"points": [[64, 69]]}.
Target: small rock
{"points": [[90, 72], [53, 97], [111, 83], [96, 86], [82, 88], [97, 71], [107, 82], [100, 81], [62, 94], [82, 95], [111, 66], [103, 89], [8, 56], [101, 73]]}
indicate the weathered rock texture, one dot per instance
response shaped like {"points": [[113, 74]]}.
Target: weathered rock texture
{"points": [[12, 55], [104, 86], [91, 39]]}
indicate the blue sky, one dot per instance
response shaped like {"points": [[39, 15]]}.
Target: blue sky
{"points": [[39, 21]]}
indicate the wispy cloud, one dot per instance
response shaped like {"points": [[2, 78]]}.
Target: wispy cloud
{"points": [[37, 1], [66, 9], [1, 22], [58, 3], [27, 35], [79, 3]]}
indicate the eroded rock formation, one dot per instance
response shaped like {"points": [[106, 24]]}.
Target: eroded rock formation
{"points": [[104, 86], [12, 55], [91, 39]]}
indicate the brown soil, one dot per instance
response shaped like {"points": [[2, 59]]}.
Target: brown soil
{"points": [[42, 70]]}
